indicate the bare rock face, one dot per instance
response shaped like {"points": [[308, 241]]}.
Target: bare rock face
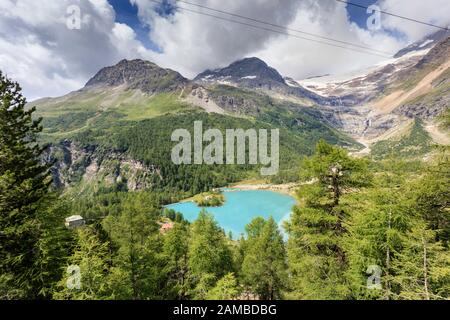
{"points": [[139, 74], [199, 96], [74, 164], [415, 84], [423, 110]]}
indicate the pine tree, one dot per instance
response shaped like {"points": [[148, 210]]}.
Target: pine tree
{"points": [[90, 263], [433, 199], [54, 246], [421, 269], [379, 220], [264, 266], [317, 227], [210, 258], [176, 255], [24, 181], [226, 289], [137, 269]]}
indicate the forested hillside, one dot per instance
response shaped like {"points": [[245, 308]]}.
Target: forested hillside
{"points": [[353, 215]]}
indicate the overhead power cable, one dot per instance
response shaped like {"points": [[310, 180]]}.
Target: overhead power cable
{"points": [[394, 15], [364, 51], [284, 28]]}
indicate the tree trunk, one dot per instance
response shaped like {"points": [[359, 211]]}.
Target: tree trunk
{"points": [[425, 269], [388, 260]]}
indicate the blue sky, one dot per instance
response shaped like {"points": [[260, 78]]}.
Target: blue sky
{"points": [[128, 14], [359, 15]]}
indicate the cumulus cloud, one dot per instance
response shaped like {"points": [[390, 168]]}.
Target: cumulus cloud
{"points": [[300, 58], [202, 41], [192, 43], [49, 59], [433, 11]]}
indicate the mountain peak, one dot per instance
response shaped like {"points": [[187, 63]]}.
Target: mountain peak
{"points": [[426, 42], [251, 72], [251, 61], [138, 74]]}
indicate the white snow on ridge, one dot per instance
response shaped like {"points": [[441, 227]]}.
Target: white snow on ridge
{"points": [[426, 43], [330, 82], [207, 77], [291, 82], [249, 77]]}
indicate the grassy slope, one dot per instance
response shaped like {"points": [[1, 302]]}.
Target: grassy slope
{"points": [[415, 143]]}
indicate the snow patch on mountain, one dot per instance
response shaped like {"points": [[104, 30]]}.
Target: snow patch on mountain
{"points": [[361, 82], [426, 43]]}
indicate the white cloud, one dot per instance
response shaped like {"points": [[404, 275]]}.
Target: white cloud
{"points": [[47, 58], [192, 43], [301, 58], [431, 11]]}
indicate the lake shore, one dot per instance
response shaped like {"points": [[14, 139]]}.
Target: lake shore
{"points": [[285, 188]]}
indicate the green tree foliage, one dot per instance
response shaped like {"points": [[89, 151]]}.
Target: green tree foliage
{"points": [[176, 255], [317, 227], [137, 266], [399, 225], [23, 184], [379, 221], [432, 197], [90, 256], [422, 268], [226, 289], [53, 247], [210, 257], [264, 264]]}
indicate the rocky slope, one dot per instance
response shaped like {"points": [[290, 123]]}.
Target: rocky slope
{"points": [[75, 164], [139, 75], [255, 74], [414, 84]]}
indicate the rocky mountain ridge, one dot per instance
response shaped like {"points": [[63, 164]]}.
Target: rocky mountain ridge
{"points": [[139, 75]]}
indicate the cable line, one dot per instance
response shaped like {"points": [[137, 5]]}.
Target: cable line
{"points": [[274, 31], [394, 15], [282, 27]]}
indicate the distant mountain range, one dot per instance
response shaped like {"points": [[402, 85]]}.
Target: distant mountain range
{"points": [[357, 110]]}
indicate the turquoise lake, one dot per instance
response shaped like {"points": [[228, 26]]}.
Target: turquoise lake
{"points": [[241, 207]]}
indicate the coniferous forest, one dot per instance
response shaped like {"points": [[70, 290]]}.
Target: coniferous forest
{"points": [[362, 228]]}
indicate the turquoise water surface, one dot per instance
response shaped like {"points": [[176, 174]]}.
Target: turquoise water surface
{"points": [[241, 207]]}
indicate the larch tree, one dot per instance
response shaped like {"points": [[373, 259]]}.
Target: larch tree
{"points": [[209, 255], [85, 275], [264, 267], [317, 228], [175, 250], [421, 268]]}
